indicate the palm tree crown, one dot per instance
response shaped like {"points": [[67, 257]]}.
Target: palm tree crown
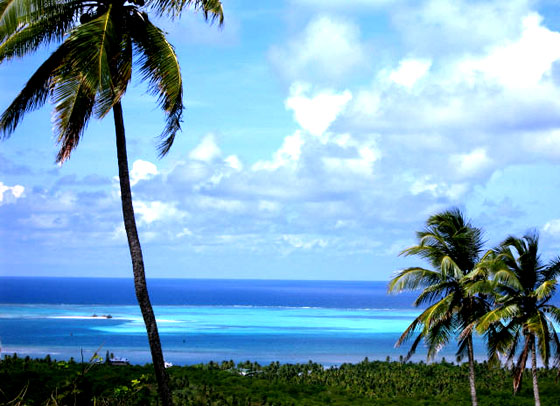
{"points": [[452, 247], [89, 72], [523, 288]]}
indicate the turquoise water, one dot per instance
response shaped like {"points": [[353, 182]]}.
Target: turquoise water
{"points": [[201, 321], [192, 334]]}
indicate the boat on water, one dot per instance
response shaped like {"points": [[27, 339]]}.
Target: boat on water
{"points": [[119, 361]]}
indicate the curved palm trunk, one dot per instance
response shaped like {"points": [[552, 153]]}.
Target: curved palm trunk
{"points": [[534, 372], [471, 370], [138, 261]]}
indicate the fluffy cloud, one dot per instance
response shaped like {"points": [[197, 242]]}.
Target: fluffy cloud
{"points": [[148, 212], [448, 27], [552, 227], [503, 97], [338, 4], [410, 71], [438, 123], [328, 48], [9, 194], [207, 150], [471, 163], [142, 170], [520, 64], [316, 113]]}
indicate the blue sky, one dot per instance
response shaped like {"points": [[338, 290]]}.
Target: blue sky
{"points": [[318, 137]]}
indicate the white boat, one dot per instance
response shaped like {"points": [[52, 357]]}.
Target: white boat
{"points": [[119, 361]]}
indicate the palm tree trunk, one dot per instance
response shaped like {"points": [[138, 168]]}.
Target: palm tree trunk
{"points": [[474, 400], [138, 261], [534, 371]]}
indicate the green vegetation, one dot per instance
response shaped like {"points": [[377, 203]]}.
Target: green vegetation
{"points": [[47, 382]]}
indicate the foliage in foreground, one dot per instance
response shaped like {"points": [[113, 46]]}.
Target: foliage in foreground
{"points": [[46, 382]]}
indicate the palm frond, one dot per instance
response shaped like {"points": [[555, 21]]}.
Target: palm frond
{"points": [[439, 334], [552, 311], [413, 347], [516, 338], [160, 67], [504, 312], [212, 9], [538, 326], [552, 270], [450, 269], [121, 73], [555, 343], [74, 104], [91, 47], [49, 24], [34, 94], [499, 339], [506, 279], [479, 287], [412, 279], [410, 330], [434, 292], [545, 290]]}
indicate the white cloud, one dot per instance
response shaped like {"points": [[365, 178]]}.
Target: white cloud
{"points": [[142, 170], [315, 113], [234, 162], [470, 164], [9, 194], [519, 64], [304, 242], [287, 155], [410, 71], [328, 48], [224, 205], [315, 4], [150, 212], [552, 227], [185, 232], [545, 143], [425, 184], [447, 27], [207, 150]]}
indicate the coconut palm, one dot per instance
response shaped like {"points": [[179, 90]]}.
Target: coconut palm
{"points": [[87, 75], [523, 314], [452, 246]]}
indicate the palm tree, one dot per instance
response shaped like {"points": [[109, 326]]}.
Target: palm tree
{"points": [[88, 74], [523, 288], [452, 247]]}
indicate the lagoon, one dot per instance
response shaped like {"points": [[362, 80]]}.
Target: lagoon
{"points": [[329, 322]]}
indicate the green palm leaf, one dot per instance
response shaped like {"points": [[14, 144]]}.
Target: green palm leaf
{"points": [[49, 24], [159, 65], [34, 94], [212, 9], [74, 104], [413, 278]]}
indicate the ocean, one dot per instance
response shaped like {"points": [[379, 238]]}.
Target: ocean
{"points": [[330, 322]]}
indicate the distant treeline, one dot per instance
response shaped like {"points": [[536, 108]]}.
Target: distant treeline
{"points": [[25, 381]]}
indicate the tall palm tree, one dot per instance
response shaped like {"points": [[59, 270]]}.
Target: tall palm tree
{"points": [[452, 246], [88, 74], [523, 288]]}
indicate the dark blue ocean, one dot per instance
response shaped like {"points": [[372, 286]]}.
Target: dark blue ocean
{"points": [[330, 322]]}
